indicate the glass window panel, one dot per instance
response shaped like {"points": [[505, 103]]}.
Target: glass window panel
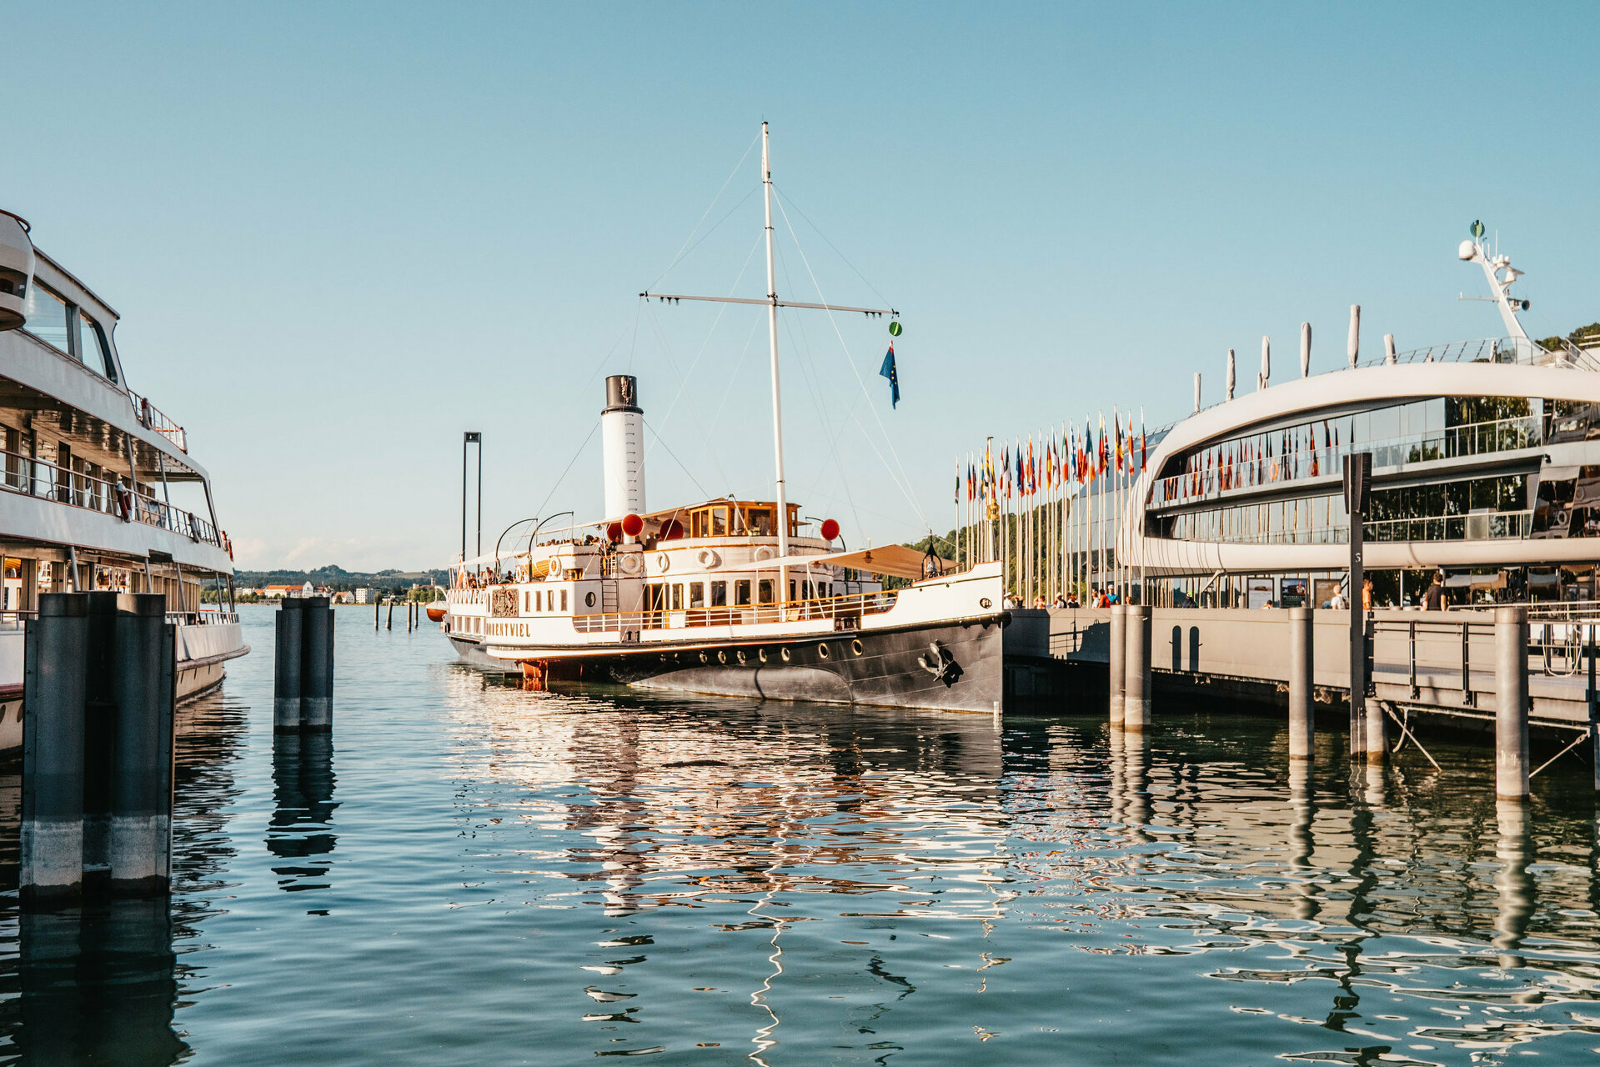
{"points": [[563, 600], [760, 522], [719, 594], [92, 346], [677, 596], [765, 590], [741, 592], [697, 594], [719, 522], [47, 316]]}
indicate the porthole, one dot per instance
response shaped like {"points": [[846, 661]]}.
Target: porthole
{"points": [[785, 654], [588, 600], [855, 646], [761, 654], [822, 651], [722, 656], [704, 658]]}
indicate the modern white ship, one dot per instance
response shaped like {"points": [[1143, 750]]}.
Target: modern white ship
{"points": [[1486, 465], [735, 597], [99, 491]]}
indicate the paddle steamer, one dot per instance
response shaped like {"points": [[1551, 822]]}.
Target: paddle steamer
{"points": [[731, 596]]}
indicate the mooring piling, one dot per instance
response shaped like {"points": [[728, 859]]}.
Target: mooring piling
{"points": [[287, 666], [390, 623], [54, 681], [1302, 722], [1116, 677], [1511, 710], [139, 837], [316, 665], [1136, 663]]}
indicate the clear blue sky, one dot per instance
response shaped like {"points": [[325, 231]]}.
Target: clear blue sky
{"points": [[341, 234]]}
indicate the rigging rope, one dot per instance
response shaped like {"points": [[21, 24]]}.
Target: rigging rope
{"points": [[904, 484], [685, 248]]}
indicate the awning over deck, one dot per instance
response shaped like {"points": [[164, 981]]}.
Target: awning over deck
{"points": [[895, 560]]}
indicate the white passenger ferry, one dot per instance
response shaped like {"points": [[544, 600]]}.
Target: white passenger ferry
{"points": [[92, 495], [731, 597]]}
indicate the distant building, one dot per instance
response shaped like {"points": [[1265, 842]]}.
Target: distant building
{"points": [[344, 598], [363, 596]]}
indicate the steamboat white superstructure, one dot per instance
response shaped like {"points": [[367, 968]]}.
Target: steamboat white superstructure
{"points": [[734, 597], [94, 480]]}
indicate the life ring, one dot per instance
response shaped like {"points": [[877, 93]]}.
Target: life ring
{"points": [[707, 558], [663, 562], [630, 563], [763, 552]]}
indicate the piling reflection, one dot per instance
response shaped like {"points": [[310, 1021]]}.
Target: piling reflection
{"points": [[300, 830], [98, 985], [1513, 884]]}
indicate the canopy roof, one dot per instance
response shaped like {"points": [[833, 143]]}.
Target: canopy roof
{"points": [[895, 560]]}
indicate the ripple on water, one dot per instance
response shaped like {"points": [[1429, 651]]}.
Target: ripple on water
{"points": [[469, 873]]}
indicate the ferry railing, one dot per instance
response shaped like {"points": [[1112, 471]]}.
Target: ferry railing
{"points": [[30, 476], [151, 418], [202, 617], [1235, 472], [12, 619], [1488, 526], [845, 611]]}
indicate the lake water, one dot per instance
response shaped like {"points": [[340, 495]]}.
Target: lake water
{"points": [[465, 873]]}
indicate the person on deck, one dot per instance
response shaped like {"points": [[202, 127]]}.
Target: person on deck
{"points": [[1433, 599], [1366, 594]]}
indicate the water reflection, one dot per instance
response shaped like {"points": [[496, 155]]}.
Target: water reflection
{"points": [[98, 985], [302, 817]]}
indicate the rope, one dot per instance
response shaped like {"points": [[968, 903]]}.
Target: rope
{"points": [[678, 461], [685, 248], [574, 459], [905, 479]]}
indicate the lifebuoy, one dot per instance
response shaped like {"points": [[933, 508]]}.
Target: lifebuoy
{"points": [[707, 558], [630, 563], [763, 552], [662, 562]]}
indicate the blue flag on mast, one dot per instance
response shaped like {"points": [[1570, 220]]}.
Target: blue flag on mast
{"points": [[888, 371]]}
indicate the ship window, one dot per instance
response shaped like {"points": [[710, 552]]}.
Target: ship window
{"points": [[92, 349], [677, 596], [47, 317], [697, 594], [538, 600], [719, 522], [765, 591], [719, 594], [741, 592], [527, 602], [791, 588], [563, 600], [759, 522]]}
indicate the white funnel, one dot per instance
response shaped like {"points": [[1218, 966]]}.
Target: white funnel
{"points": [[622, 445]]}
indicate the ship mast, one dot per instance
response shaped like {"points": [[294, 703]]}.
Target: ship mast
{"points": [[777, 395], [773, 304]]}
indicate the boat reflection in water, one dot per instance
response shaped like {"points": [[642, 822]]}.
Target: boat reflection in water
{"points": [[1392, 889]]}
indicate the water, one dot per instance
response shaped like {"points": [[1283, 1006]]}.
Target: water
{"points": [[469, 874]]}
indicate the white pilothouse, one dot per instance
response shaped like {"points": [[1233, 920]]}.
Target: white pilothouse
{"points": [[731, 596], [91, 494]]}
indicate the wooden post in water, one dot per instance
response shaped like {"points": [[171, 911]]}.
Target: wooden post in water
{"points": [[1136, 689], [1302, 724], [389, 625], [1116, 655], [51, 837], [377, 607], [1511, 709]]}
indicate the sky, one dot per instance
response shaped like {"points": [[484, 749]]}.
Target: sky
{"points": [[340, 235]]}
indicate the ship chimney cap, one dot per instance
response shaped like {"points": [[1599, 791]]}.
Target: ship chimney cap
{"points": [[622, 393]]}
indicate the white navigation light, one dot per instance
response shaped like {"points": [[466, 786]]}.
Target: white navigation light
{"points": [[1467, 250], [16, 270]]}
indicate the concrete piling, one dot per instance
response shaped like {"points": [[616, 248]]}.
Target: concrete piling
{"points": [[316, 665], [1302, 723], [1116, 654], [139, 830], [1511, 712], [287, 665], [54, 682], [1136, 663]]}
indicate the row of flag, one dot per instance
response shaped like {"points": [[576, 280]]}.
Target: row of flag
{"points": [[1260, 460], [1077, 457]]}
